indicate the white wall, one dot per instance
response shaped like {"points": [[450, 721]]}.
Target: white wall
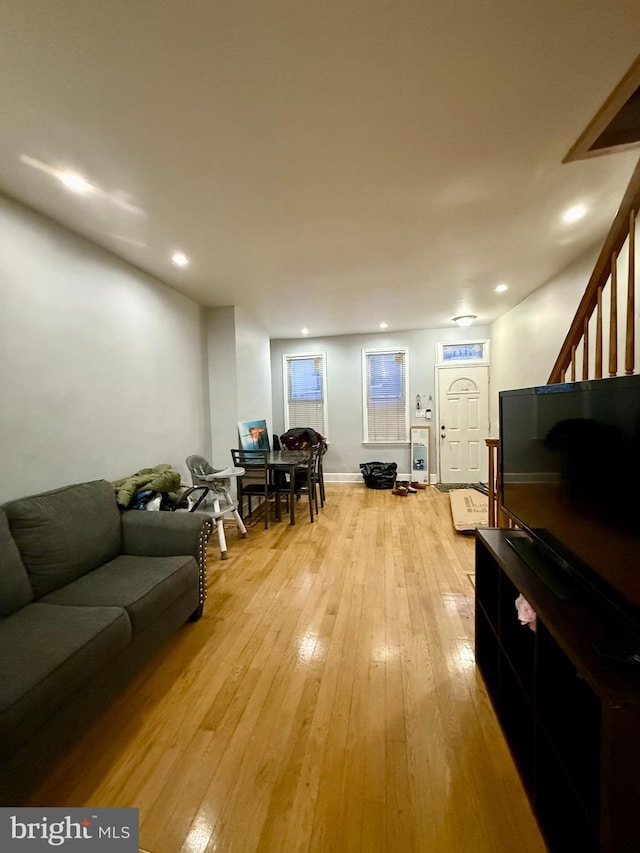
{"points": [[101, 369], [104, 370], [253, 367], [223, 395], [239, 377], [526, 341], [344, 390]]}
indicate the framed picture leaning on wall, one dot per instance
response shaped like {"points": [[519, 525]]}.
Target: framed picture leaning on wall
{"points": [[254, 435]]}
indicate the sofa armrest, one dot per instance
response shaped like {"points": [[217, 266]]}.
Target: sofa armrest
{"points": [[168, 534]]}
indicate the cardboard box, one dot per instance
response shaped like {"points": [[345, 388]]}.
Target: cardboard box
{"points": [[469, 508]]}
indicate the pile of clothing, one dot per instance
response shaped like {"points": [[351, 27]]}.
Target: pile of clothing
{"points": [[300, 438], [150, 488]]}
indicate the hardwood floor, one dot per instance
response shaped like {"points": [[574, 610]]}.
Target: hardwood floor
{"points": [[326, 701]]}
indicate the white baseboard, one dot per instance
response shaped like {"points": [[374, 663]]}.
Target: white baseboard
{"points": [[343, 478], [357, 478]]}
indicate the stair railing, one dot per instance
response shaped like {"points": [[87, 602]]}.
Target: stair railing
{"points": [[579, 357], [582, 353]]}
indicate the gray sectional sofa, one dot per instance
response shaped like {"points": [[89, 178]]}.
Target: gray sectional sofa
{"points": [[87, 594]]}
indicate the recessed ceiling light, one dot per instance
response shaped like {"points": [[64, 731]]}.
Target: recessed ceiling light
{"points": [[383, 325], [305, 331], [179, 259], [501, 288], [573, 214], [75, 183], [465, 319]]}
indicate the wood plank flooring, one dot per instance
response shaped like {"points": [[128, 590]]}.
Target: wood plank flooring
{"points": [[326, 701]]}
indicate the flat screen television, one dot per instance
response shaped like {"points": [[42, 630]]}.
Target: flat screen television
{"points": [[570, 476]]}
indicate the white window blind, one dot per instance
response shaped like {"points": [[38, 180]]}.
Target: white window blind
{"points": [[305, 392], [385, 398]]}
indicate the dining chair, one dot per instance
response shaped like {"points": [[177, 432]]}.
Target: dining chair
{"points": [[305, 482], [322, 449], [256, 481]]}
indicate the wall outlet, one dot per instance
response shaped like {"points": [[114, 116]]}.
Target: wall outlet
{"points": [[427, 414]]}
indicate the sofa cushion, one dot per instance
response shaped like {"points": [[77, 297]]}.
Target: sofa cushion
{"points": [[64, 533], [15, 587], [46, 654], [144, 586]]}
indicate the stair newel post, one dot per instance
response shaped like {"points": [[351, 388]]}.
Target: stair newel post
{"points": [[492, 444], [630, 338], [599, 335], [613, 317]]}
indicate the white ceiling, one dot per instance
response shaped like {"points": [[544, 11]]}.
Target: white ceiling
{"points": [[323, 164]]}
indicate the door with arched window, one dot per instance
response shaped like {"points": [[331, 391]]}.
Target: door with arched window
{"points": [[463, 423]]}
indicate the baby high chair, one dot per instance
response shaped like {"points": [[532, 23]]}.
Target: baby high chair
{"points": [[218, 483]]}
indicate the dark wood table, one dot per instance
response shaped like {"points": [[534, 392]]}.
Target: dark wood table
{"points": [[288, 461]]}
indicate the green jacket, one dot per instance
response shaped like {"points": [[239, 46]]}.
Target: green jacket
{"points": [[160, 478]]}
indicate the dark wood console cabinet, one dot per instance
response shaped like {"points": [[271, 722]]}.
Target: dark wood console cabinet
{"points": [[571, 717]]}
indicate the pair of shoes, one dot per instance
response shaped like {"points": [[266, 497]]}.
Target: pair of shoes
{"points": [[400, 490], [405, 484], [415, 485]]}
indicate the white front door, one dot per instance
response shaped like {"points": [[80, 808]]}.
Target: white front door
{"points": [[463, 422]]}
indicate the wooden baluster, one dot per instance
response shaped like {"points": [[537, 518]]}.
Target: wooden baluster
{"points": [[598, 373], [613, 318], [585, 349], [629, 354], [573, 363]]}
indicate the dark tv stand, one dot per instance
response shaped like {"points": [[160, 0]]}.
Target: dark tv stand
{"points": [[571, 716], [548, 572]]}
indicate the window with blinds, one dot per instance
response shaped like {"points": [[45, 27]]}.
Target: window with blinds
{"points": [[305, 392], [385, 397]]}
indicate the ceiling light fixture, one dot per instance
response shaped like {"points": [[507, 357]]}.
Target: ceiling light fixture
{"points": [[305, 331], [383, 325], [573, 214], [501, 288], [75, 183], [179, 259], [465, 319]]}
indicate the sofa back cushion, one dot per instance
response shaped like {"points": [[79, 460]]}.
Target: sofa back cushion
{"points": [[15, 587], [63, 534]]}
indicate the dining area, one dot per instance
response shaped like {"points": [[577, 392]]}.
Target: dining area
{"points": [[269, 481], [274, 478]]}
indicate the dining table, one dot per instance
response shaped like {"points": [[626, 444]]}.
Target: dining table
{"points": [[288, 461]]}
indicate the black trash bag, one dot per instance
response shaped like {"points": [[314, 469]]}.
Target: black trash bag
{"points": [[379, 475]]}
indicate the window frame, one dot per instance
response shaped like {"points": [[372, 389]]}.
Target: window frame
{"points": [[407, 416], [291, 356], [480, 356]]}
